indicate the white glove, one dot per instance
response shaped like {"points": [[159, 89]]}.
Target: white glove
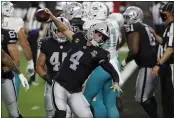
{"points": [[30, 68], [24, 82], [123, 64]]}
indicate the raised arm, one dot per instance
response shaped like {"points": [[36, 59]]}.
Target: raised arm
{"points": [[61, 27]]}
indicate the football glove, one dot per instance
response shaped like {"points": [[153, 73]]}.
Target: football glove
{"points": [[24, 81], [30, 68]]}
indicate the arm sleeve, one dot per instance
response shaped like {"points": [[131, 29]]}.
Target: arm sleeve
{"points": [[107, 66]]}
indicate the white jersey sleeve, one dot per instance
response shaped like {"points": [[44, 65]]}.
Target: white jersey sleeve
{"points": [[14, 23]]}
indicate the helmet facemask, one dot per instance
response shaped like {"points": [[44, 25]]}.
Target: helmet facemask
{"points": [[100, 28]]}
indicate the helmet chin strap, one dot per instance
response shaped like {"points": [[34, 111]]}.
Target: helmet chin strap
{"points": [[94, 43]]}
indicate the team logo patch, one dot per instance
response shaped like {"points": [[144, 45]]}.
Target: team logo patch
{"points": [[94, 53], [77, 40]]}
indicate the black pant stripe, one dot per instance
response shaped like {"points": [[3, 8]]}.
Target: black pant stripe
{"points": [[54, 102], [144, 84], [15, 93]]}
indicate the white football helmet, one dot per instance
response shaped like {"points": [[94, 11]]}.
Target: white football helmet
{"points": [[61, 5], [133, 14], [7, 8], [99, 11], [73, 10], [54, 30], [98, 27], [85, 12]]}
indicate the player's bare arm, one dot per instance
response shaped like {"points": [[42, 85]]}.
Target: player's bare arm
{"points": [[24, 44], [133, 42], [5, 58], [40, 64], [62, 28], [40, 68], [157, 37]]}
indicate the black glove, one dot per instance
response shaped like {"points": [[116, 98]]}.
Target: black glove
{"points": [[48, 79]]}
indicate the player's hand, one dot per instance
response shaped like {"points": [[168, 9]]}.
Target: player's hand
{"points": [[30, 68], [123, 64], [115, 86], [155, 71], [24, 82], [49, 12]]}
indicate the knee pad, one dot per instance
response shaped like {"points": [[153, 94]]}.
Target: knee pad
{"points": [[60, 114]]}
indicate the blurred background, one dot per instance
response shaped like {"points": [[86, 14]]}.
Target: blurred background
{"points": [[31, 103]]}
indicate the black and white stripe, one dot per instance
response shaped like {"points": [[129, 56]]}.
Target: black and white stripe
{"points": [[168, 41], [32, 23]]}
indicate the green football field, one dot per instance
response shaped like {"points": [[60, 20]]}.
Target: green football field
{"points": [[31, 103]]}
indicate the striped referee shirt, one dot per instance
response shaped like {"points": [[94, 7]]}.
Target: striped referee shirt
{"points": [[168, 41], [32, 23]]}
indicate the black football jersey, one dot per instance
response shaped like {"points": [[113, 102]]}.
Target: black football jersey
{"points": [[55, 54], [147, 55], [79, 63], [76, 24], [7, 37]]}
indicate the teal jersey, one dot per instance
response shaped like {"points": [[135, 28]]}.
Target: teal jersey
{"points": [[114, 36]]}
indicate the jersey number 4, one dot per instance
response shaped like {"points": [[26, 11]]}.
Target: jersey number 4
{"points": [[54, 60], [75, 59]]}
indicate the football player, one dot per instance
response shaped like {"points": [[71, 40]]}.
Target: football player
{"points": [[104, 104], [52, 58], [8, 89], [73, 12], [143, 49], [85, 55], [17, 25]]}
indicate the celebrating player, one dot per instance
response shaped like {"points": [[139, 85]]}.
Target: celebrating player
{"points": [[81, 60]]}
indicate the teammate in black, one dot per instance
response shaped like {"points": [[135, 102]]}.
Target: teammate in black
{"points": [[73, 13], [143, 50], [9, 38], [54, 49], [81, 60]]}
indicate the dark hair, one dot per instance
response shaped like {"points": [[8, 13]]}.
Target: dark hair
{"points": [[168, 7]]}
